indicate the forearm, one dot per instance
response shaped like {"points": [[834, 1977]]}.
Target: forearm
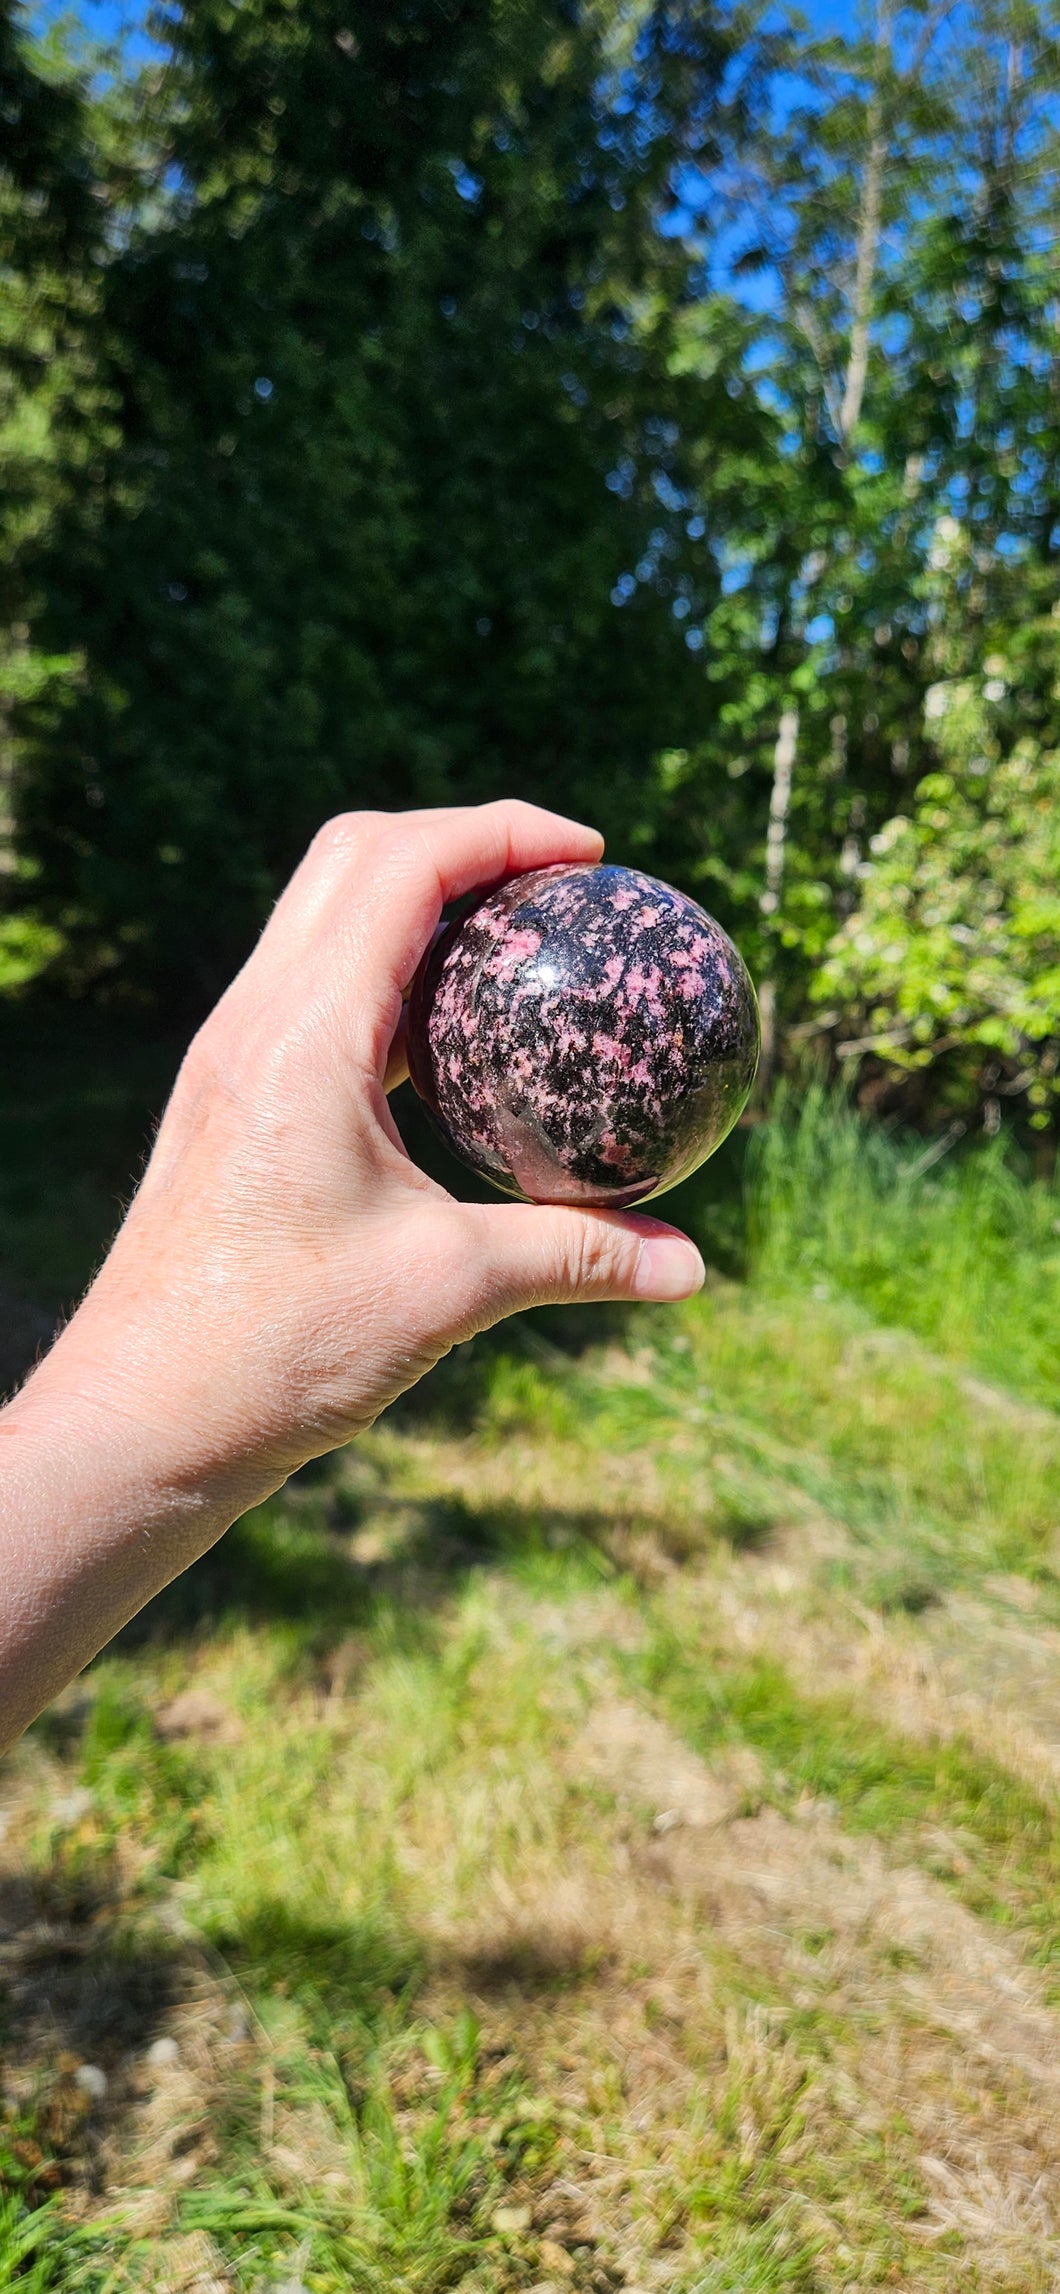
{"points": [[97, 1513]]}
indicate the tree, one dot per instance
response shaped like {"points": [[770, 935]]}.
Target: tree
{"points": [[948, 965], [389, 338], [50, 406], [894, 226], [648, 412]]}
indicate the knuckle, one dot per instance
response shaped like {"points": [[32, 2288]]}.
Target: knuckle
{"points": [[198, 1068], [393, 838], [511, 809], [342, 835]]}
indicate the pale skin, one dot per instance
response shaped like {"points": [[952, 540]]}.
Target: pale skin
{"points": [[284, 1270]]}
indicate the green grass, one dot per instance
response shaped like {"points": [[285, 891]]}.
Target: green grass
{"points": [[759, 1412], [965, 1251], [460, 1995]]}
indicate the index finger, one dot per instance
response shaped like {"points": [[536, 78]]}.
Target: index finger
{"points": [[402, 868], [447, 852], [382, 879], [363, 904]]}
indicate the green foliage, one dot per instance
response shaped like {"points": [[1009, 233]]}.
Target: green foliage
{"points": [[900, 529], [413, 2207], [954, 946], [27, 946], [25, 2263], [52, 403], [393, 422], [549, 398]]}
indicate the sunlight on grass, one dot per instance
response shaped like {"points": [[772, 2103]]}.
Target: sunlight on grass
{"points": [[961, 1250], [532, 1850]]}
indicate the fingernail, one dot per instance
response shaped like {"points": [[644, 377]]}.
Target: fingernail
{"points": [[668, 1267]]}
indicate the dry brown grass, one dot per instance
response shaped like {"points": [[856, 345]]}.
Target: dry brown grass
{"points": [[723, 2036]]}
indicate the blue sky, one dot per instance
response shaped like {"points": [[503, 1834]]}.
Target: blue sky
{"points": [[123, 20], [102, 19], [108, 19]]}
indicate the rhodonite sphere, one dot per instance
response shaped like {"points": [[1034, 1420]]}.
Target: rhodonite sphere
{"points": [[585, 1035]]}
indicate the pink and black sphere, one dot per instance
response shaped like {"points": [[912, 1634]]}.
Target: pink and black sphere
{"points": [[585, 1035]]}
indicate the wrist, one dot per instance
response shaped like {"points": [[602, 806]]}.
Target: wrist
{"points": [[119, 1414]]}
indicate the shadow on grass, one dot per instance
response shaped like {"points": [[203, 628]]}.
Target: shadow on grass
{"points": [[75, 1979], [338, 1971], [532, 1965], [265, 1568], [407, 1558], [329, 1553], [275, 1567], [452, 1396], [347, 1974]]}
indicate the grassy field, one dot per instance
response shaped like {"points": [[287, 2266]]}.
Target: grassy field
{"points": [[600, 1832]]}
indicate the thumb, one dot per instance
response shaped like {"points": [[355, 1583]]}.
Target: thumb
{"points": [[548, 1255]]}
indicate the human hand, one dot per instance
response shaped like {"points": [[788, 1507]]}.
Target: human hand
{"points": [[285, 1270]]}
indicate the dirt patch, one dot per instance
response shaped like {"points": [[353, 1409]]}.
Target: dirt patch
{"points": [[208, 2050], [645, 1764], [771, 1878], [967, 1668], [873, 1930], [903, 2027], [938, 2021], [1030, 1415], [197, 1713]]}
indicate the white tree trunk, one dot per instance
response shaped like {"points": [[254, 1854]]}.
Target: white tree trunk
{"points": [[846, 418], [868, 240], [784, 756]]}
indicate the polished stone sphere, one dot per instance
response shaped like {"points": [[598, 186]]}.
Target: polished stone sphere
{"points": [[585, 1035]]}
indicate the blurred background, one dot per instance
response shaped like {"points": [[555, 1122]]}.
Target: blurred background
{"points": [[581, 1837]]}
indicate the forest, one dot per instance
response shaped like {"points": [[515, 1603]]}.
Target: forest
{"points": [[645, 406], [599, 1831]]}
